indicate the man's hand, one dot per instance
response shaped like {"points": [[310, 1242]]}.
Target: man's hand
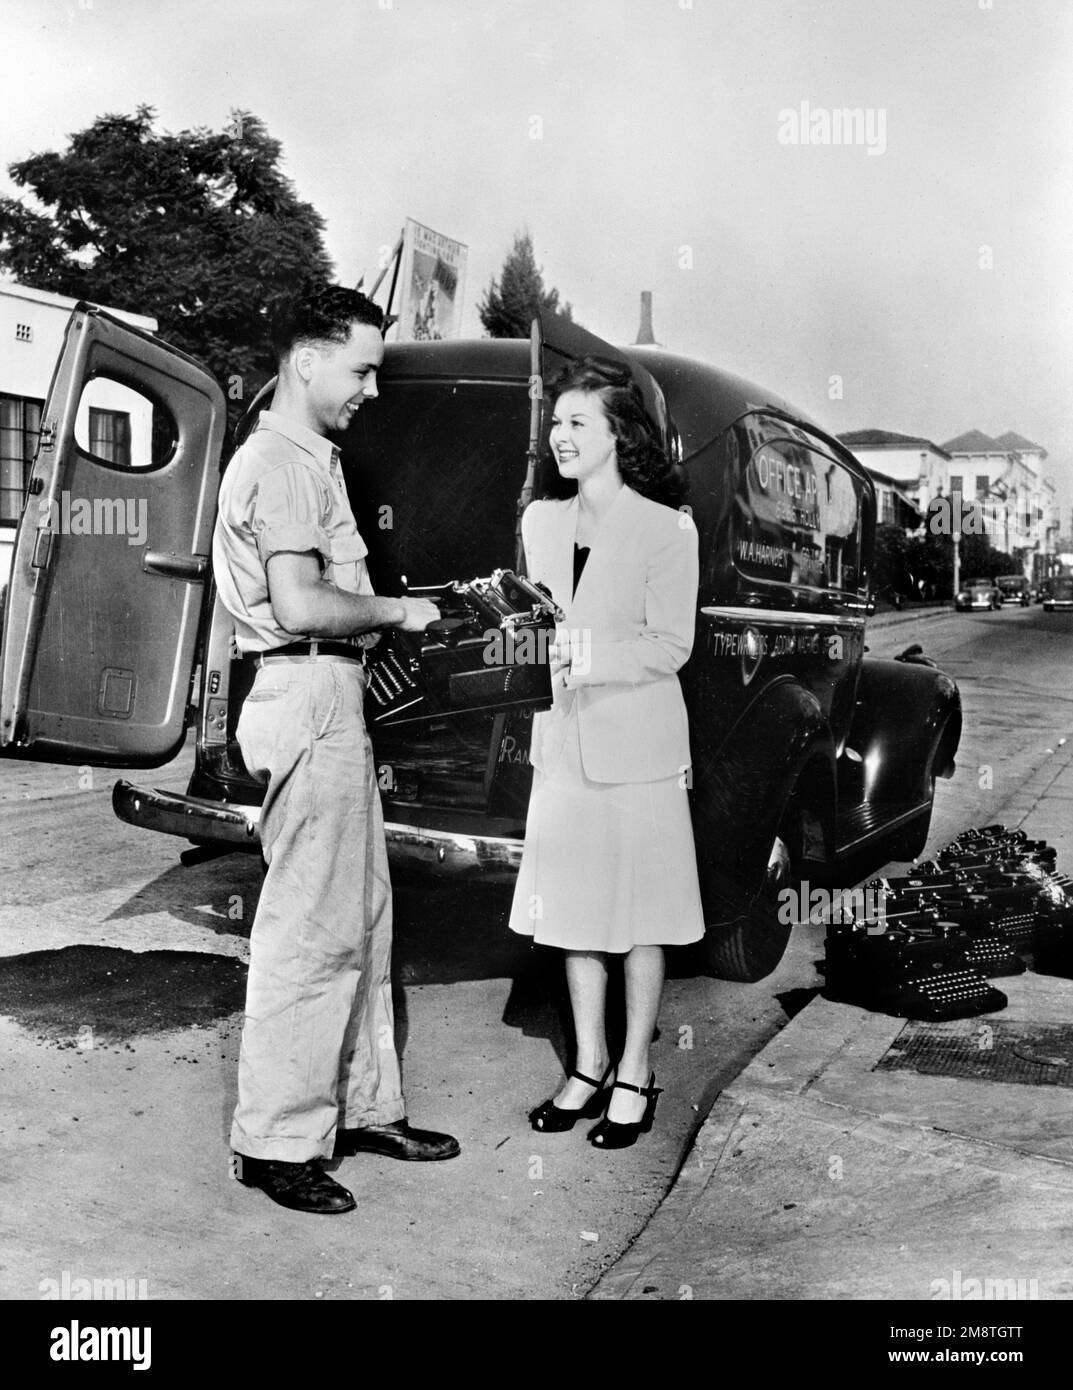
{"points": [[419, 613]]}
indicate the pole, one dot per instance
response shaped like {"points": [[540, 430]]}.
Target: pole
{"points": [[957, 559], [388, 320], [536, 392], [393, 259]]}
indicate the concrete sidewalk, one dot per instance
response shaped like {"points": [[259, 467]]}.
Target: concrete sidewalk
{"points": [[816, 1176]]}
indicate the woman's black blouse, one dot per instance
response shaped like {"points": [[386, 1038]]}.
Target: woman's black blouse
{"points": [[581, 554]]}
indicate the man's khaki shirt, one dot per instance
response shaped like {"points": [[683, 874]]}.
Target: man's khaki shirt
{"points": [[282, 491]]}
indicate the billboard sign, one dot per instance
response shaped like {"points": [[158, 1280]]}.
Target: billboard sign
{"points": [[431, 283]]}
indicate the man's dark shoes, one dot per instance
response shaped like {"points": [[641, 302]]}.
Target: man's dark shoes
{"points": [[396, 1140], [300, 1186]]}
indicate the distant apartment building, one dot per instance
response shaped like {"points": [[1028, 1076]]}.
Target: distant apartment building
{"points": [[114, 424], [1004, 476]]}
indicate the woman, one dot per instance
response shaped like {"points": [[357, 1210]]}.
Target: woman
{"points": [[609, 865]]}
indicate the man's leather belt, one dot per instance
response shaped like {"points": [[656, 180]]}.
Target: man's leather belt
{"points": [[315, 647]]}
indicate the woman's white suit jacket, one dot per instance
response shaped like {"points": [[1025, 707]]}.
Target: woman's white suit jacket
{"points": [[631, 626]]}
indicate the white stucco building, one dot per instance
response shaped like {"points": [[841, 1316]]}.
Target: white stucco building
{"points": [[904, 467], [1005, 476], [113, 422]]}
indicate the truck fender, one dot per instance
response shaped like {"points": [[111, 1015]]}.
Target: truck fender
{"points": [[905, 730], [780, 746]]}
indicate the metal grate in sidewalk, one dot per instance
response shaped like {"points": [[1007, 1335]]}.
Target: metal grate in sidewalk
{"points": [[1027, 1054]]}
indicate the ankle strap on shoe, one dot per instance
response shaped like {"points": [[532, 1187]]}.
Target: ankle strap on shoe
{"points": [[650, 1090], [580, 1076]]}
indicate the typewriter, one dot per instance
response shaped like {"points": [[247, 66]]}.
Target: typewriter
{"points": [[998, 882], [923, 968], [1000, 905], [1053, 954], [489, 649], [991, 897]]}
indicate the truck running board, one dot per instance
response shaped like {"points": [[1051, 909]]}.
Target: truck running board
{"points": [[873, 820]]}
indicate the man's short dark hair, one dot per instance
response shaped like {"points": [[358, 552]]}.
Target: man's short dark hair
{"points": [[322, 314]]}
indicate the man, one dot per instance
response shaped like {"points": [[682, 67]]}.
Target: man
{"points": [[318, 1071]]}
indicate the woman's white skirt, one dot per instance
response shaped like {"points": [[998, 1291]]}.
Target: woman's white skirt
{"points": [[606, 865]]}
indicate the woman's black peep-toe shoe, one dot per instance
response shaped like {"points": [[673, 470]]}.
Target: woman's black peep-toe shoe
{"points": [[550, 1119], [609, 1134]]}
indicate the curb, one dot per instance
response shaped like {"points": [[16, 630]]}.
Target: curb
{"points": [[881, 620]]}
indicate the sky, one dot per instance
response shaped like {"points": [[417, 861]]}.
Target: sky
{"points": [[912, 274]]}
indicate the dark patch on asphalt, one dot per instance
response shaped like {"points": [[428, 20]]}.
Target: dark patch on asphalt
{"points": [[118, 994], [794, 1000]]}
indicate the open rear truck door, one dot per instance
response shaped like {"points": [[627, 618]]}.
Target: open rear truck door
{"points": [[112, 555]]}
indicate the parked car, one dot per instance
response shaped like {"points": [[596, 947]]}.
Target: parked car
{"points": [[1044, 591], [978, 595], [1014, 588], [1059, 595], [810, 760]]}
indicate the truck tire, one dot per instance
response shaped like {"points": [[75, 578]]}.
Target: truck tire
{"points": [[751, 947]]}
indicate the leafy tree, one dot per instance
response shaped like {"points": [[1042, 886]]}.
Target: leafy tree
{"points": [[890, 563], [200, 229], [975, 556], [509, 306], [929, 560], [981, 560]]}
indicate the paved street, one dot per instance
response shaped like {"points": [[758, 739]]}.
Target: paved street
{"points": [[117, 1087]]}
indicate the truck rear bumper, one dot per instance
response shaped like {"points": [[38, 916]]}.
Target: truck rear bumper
{"points": [[190, 816], [221, 822]]}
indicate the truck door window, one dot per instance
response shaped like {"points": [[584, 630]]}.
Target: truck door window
{"points": [[121, 428], [798, 513]]}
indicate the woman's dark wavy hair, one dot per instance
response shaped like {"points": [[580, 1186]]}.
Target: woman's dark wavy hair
{"points": [[642, 461]]}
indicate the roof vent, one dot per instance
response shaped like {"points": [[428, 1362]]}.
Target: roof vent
{"points": [[644, 333]]}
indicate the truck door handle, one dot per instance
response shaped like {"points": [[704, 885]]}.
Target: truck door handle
{"points": [[172, 566]]}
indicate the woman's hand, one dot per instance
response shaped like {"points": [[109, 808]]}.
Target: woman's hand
{"points": [[559, 654]]}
